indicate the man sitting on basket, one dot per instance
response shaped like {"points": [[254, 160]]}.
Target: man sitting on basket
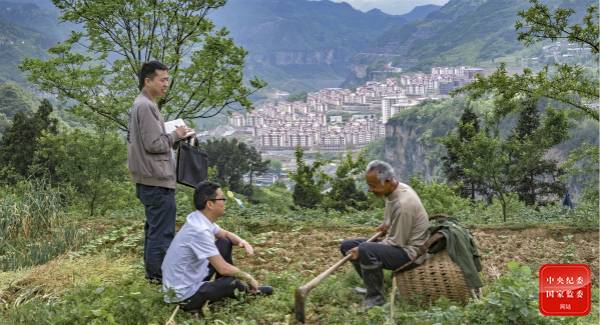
{"points": [[405, 223]]}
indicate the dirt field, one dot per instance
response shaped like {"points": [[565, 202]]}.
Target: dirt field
{"points": [[311, 251]]}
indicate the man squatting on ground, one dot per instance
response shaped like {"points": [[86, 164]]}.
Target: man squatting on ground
{"points": [[152, 165], [194, 256], [405, 222]]}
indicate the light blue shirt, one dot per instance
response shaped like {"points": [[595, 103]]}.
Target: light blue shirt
{"points": [[186, 264]]}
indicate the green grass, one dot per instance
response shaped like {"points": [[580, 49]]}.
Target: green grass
{"points": [[100, 281]]}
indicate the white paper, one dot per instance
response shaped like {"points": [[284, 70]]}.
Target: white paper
{"points": [[171, 125]]}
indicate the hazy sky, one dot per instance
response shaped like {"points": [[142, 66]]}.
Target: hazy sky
{"points": [[396, 7]]}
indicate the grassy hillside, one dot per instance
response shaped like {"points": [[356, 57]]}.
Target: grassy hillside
{"points": [[100, 280]]}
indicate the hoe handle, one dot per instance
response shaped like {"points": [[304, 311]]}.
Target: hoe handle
{"points": [[302, 292]]}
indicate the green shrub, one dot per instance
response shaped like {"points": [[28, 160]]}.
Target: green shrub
{"points": [[34, 225], [129, 302], [29, 209], [440, 198]]}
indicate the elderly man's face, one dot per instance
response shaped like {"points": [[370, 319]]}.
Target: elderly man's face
{"points": [[376, 186]]}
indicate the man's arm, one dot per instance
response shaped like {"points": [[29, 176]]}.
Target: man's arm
{"points": [[236, 240], [226, 269], [153, 140]]}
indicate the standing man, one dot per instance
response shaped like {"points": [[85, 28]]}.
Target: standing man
{"points": [[202, 249], [152, 165], [406, 223]]}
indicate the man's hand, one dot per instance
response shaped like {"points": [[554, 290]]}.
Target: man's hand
{"points": [[182, 131], [353, 254], [383, 228], [253, 285], [249, 249]]}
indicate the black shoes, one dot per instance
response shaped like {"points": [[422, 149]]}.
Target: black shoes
{"points": [[265, 290], [373, 279], [156, 281]]}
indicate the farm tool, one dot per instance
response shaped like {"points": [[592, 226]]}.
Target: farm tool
{"points": [[303, 291]]}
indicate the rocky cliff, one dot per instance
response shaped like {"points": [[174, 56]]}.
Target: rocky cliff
{"points": [[411, 138]]}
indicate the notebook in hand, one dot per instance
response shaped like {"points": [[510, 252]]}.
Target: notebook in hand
{"points": [[171, 125]]}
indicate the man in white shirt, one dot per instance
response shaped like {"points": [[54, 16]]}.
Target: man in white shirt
{"points": [[202, 248]]}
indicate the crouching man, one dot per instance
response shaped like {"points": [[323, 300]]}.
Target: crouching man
{"points": [[201, 249], [406, 223]]}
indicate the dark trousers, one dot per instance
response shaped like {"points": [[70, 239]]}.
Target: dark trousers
{"points": [[375, 254], [222, 287], [159, 229]]}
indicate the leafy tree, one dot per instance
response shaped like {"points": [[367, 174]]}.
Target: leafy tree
{"points": [[344, 193], [21, 140], [565, 83], [14, 99], [468, 126], [4, 123], [256, 166], [232, 160], [309, 180], [275, 166], [97, 67], [538, 178], [583, 166], [94, 163], [517, 164]]}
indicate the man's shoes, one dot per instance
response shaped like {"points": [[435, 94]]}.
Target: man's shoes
{"points": [[156, 281], [264, 290], [373, 301], [373, 280]]}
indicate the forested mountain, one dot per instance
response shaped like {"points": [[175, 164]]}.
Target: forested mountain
{"points": [[465, 32], [302, 44], [305, 45], [27, 28]]}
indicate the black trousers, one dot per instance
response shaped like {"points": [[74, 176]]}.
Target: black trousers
{"points": [[159, 229], [375, 254], [222, 287]]}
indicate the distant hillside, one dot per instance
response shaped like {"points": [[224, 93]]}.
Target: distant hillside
{"points": [[461, 32], [298, 44], [412, 143], [26, 29], [420, 12]]}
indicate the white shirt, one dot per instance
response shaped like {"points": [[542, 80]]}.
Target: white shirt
{"points": [[186, 263]]}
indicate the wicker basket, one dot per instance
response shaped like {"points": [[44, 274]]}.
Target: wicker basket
{"points": [[438, 277]]}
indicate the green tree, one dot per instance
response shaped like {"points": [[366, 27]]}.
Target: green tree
{"points": [[516, 163], [487, 158], [232, 160], [309, 180], [468, 127], [344, 193], [14, 99], [570, 84], [256, 166], [96, 68], [21, 140], [538, 178], [583, 165], [94, 163]]}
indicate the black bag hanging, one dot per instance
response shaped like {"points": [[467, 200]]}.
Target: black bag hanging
{"points": [[192, 164]]}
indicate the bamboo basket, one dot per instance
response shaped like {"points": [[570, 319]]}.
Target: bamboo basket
{"points": [[437, 277]]}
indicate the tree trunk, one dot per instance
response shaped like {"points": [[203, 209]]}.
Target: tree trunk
{"points": [[503, 203]]}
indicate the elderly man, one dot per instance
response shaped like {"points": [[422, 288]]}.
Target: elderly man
{"points": [[200, 249], [405, 222]]}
